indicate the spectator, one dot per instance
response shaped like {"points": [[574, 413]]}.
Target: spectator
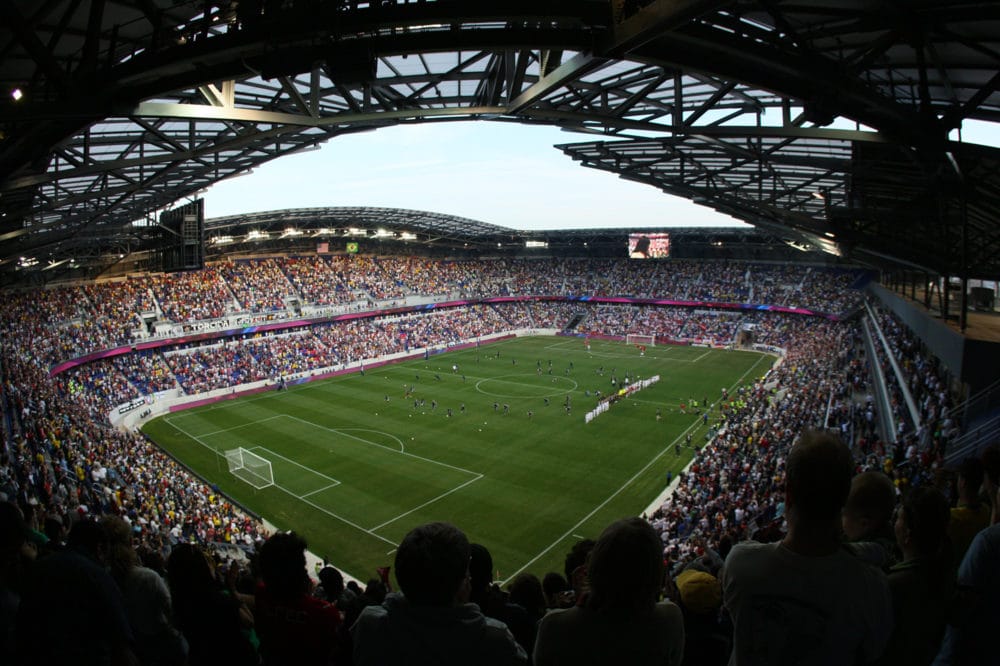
{"points": [[525, 590], [431, 621], [215, 623], [558, 593], [294, 627], [805, 599], [146, 598], [72, 611], [971, 514], [708, 640], [867, 518], [620, 622], [15, 556], [922, 584], [971, 638], [491, 601]]}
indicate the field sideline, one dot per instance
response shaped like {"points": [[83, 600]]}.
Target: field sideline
{"points": [[360, 459]]}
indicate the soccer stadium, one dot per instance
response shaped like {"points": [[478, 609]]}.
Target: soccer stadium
{"points": [[375, 435]]}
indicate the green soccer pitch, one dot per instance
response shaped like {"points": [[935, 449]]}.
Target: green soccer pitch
{"points": [[356, 464]]}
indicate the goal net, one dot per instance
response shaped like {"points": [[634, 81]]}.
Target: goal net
{"points": [[250, 467], [647, 340]]}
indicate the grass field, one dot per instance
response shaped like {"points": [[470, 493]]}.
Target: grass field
{"points": [[356, 465]]}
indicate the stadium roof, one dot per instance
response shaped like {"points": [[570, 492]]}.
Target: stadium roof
{"points": [[111, 111], [299, 230]]}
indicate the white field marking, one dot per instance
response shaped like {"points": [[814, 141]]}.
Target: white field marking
{"points": [[333, 515], [501, 380], [402, 447], [242, 425], [702, 356], [610, 497], [654, 402], [319, 490], [301, 499], [476, 475], [365, 441], [430, 501], [390, 552], [579, 536], [333, 481]]}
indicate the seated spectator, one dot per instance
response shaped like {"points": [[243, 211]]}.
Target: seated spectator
{"points": [[805, 599], [922, 583], [867, 518], [71, 611], [431, 621], [146, 597], [215, 623], [620, 621], [294, 626]]}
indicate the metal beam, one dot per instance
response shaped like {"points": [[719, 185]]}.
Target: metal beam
{"points": [[573, 68]]}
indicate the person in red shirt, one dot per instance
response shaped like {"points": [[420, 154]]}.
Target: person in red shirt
{"points": [[294, 627]]}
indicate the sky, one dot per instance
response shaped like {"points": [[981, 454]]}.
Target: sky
{"points": [[500, 173]]}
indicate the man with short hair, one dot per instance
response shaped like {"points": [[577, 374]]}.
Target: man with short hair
{"points": [[431, 621], [805, 599]]}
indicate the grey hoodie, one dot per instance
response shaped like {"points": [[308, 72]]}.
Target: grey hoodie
{"points": [[399, 633]]}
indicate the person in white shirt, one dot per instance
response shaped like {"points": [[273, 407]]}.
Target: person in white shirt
{"points": [[806, 599]]}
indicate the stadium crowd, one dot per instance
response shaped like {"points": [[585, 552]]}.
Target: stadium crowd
{"points": [[156, 596], [82, 320]]}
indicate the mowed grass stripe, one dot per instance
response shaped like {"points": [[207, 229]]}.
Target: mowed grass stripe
{"points": [[540, 474]]}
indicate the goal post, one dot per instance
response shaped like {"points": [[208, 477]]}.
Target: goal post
{"points": [[250, 467], [636, 339]]}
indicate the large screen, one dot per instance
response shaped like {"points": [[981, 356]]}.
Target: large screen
{"points": [[648, 246]]}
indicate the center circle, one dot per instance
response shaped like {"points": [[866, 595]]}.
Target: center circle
{"points": [[530, 386]]}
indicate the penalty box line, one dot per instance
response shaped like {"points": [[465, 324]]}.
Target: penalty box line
{"points": [[302, 499], [476, 476]]}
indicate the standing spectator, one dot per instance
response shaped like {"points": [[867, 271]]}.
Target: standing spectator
{"points": [[971, 637], [971, 514], [430, 622], [72, 611], [621, 621], [708, 640], [491, 601], [922, 584], [867, 518], [805, 599], [147, 599], [294, 626], [214, 622]]}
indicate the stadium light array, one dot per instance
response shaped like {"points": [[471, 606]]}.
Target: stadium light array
{"points": [[221, 240], [291, 232], [257, 235]]}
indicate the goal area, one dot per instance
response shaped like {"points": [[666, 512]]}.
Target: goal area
{"points": [[636, 339], [250, 467]]}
